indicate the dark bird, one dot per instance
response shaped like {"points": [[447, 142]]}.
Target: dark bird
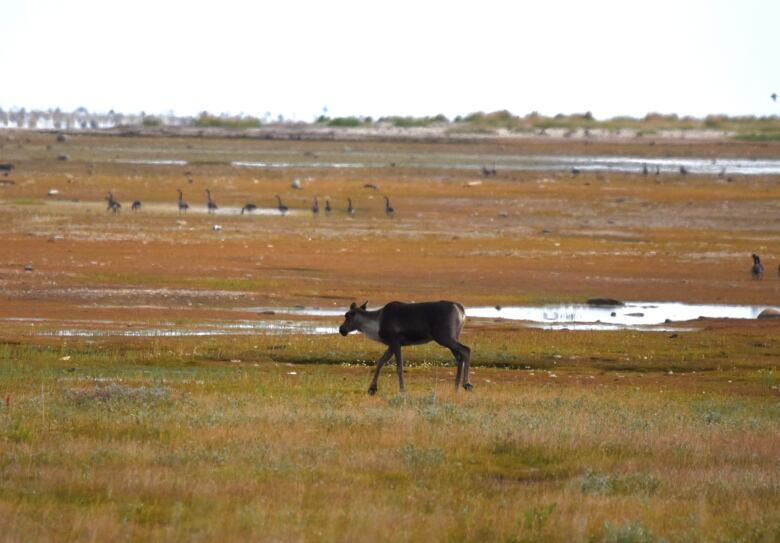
{"points": [[773, 96], [315, 208], [645, 171], [211, 204], [137, 205], [113, 205], [575, 171], [389, 209], [183, 206], [328, 208], [757, 271], [248, 208], [487, 172], [350, 208], [280, 206], [683, 170]]}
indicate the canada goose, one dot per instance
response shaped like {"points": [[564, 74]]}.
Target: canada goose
{"points": [[211, 204], [389, 209], [757, 271], [183, 206], [280, 206]]}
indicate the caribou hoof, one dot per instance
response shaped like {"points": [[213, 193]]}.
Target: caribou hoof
{"points": [[468, 387], [371, 391]]}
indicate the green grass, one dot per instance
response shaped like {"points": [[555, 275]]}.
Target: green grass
{"points": [[27, 202], [749, 128], [242, 439], [768, 136], [348, 122], [410, 122], [206, 120]]}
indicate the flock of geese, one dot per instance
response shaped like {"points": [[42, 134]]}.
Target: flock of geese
{"points": [[756, 271], [115, 207]]}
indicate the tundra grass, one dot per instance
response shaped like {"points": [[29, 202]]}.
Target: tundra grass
{"points": [[177, 441], [569, 436]]}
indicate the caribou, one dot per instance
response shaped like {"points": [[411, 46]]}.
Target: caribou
{"points": [[399, 324]]}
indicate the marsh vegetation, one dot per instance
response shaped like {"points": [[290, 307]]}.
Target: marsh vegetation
{"points": [[568, 436]]}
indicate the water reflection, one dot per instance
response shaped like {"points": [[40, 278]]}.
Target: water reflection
{"points": [[641, 316], [648, 316], [635, 315], [239, 328], [619, 164]]}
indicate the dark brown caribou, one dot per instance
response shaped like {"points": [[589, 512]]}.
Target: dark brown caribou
{"points": [[398, 324]]}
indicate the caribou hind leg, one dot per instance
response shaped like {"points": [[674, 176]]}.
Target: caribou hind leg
{"points": [[466, 354], [462, 355], [459, 361], [399, 366], [379, 363]]}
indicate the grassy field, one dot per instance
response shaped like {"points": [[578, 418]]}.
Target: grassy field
{"points": [[621, 436]]}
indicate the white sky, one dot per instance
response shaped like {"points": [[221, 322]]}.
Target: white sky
{"points": [[293, 57]]}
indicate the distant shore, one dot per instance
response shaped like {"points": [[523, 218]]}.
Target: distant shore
{"points": [[439, 133]]}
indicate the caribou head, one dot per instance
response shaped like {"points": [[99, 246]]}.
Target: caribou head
{"points": [[353, 318]]}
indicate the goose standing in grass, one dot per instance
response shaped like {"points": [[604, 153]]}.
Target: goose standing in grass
{"points": [[183, 206], [389, 209], [248, 208], [211, 204], [757, 271], [350, 208], [113, 205], [315, 208], [137, 205], [328, 208], [280, 206]]}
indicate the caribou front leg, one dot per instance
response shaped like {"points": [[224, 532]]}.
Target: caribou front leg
{"points": [[379, 363]]}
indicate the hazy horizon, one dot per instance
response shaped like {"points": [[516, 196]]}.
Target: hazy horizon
{"points": [[302, 59]]}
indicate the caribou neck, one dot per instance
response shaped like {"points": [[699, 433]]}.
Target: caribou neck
{"points": [[368, 324]]}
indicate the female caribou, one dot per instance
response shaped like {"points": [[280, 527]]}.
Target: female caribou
{"points": [[398, 324]]}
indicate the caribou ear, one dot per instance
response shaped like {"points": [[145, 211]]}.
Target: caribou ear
{"points": [[353, 306], [365, 304]]}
